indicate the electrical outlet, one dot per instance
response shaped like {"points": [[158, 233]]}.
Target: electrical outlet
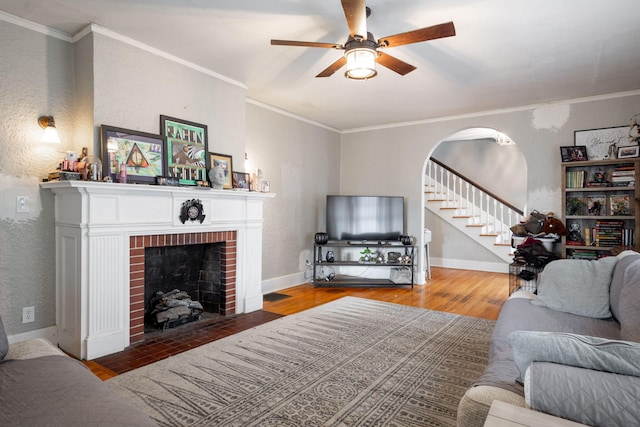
{"points": [[28, 314]]}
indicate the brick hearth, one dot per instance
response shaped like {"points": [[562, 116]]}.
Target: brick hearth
{"points": [[137, 246]]}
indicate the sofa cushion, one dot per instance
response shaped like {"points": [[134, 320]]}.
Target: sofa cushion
{"points": [[619, 357], [629, 303], [625, 259], [577, 286], [4, 342], [583, 395]]}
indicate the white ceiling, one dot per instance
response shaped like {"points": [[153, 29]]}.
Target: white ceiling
{"points": [[507, 53]]}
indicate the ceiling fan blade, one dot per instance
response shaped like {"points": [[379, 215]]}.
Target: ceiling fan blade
{"points": [[333, 67], [306, 44], [355, 11], [394, 64], [429, 33]]}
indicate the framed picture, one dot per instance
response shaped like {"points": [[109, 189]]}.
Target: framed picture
{"points": [[628, 151], [603, 143], [265, 186], [241, 181], [187, 149], [141, 155], [225, 161], [573, 153]]}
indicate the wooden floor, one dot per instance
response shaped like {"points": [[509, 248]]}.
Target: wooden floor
{"points": [[470, 293]]}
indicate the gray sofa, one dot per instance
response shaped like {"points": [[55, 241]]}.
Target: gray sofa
{"points": [[40, 385], [572, 350]]}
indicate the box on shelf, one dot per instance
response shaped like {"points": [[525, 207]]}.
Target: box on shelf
{"points": [[547, 242]]}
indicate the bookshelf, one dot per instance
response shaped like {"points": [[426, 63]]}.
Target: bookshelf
{"points": [[601, 206]]}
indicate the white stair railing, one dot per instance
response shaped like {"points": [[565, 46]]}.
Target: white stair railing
{"points": [[481, 208]]}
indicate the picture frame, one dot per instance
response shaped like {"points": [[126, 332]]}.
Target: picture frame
{"points": [[603, 143], [241, 181], [187, 148], [226, 161], [143, 154], [628, 151], [573, 153], [265, 186]]}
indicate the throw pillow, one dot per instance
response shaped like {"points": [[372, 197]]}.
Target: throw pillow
{"points": [[619, 357], [577, 286], [4, 342]]}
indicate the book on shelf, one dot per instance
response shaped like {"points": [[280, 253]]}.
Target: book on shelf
{"points": [[608, 233], [576, 179]]}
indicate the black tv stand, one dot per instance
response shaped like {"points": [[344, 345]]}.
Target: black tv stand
{"points": [[349, 266]]}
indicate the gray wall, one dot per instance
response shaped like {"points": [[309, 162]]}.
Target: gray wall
{"points": [[301, 163], [37, 79], [391, 161]]}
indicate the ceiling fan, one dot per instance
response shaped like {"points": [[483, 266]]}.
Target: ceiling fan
{"points": [[362, 51]]}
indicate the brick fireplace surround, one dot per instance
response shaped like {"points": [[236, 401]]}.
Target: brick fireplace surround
{"points": [[101, 232], [137, 246]]}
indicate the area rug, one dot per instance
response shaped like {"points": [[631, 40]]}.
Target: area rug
{"points": [[351, 362]]}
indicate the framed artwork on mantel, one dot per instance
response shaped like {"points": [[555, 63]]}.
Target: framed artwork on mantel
{"points": [[187, 149], [142, 155]]}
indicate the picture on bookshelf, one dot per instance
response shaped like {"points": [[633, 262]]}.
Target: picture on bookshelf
{"points": [[573, 153], [619, 204], [628, 152], [596, 205], [575, 206]]}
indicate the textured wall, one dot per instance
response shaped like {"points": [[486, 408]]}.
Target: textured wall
{"points": [[301, 162], [37, 79]]}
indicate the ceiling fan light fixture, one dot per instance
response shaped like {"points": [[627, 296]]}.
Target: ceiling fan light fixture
{"points": [[361, 63]]}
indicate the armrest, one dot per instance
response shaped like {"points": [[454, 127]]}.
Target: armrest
{"points": [[31, 349], [584, 395]]}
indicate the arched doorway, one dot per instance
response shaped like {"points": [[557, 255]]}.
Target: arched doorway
{"points": [[491, 160]]}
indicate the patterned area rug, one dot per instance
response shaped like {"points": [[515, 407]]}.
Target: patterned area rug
{"points": [[351, 362]]}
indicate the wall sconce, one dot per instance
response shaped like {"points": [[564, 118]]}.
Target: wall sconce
{"points": [[50, 132]]}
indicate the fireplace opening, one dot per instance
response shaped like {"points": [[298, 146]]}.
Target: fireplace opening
{"points": [[182, 284]]}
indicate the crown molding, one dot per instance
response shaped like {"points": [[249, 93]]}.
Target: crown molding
{"points": [[39, 28]]}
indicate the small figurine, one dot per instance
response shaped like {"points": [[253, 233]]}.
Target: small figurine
{"points": [[575, 235]]}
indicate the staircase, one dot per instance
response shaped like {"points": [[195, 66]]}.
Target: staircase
{"points": [[476, 212]]}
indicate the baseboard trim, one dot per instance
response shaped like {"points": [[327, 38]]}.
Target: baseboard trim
{"points": [[49, 333], [463, 264], [283, 282]]}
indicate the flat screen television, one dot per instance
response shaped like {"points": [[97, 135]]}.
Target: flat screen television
{"points": [[374, 218]]}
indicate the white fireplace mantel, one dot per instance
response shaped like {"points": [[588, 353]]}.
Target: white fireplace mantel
{"points": [[94, 222]]}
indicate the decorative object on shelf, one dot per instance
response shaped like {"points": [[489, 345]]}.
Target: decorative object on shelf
{"points": [[628, 152], [575, 235], [573, 153], [392, 257], [620, 204], [406, 240], [634, 130], [265, 186], [167, 180], [602, 144], [321, 238], [331, 256], [575, 206], [217, 177], [367, 255], [596, 205], [186, 149], [241, 181], [142, 154], [192, 210], [225, 162]]}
